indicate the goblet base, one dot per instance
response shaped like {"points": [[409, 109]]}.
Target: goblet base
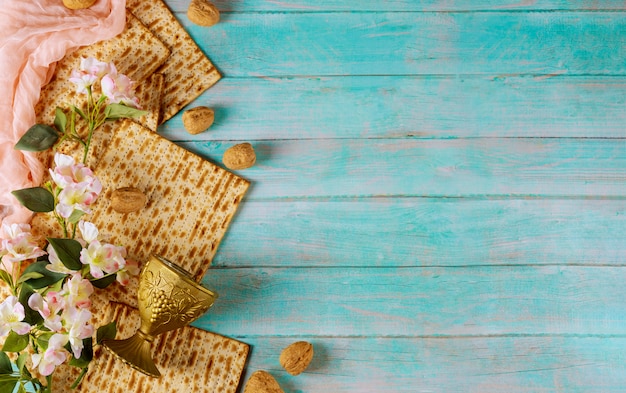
{"points": [[134, 351]]}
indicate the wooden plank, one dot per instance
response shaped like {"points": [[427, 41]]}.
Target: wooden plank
{"points": [[475, 364], [400, 43], [425, 232], [405, 5], [417, 301], [423, 107], [413, 167]]}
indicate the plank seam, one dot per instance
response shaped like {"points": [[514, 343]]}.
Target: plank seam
{"points": [[431, 337]]}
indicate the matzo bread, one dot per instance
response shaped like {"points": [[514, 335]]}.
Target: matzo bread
{"points": [[188, 72], [136, 53], [190, 201], [149, 94], [190, 360]]}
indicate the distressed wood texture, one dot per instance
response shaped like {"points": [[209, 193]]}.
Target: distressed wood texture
{"points": [[421, 107], [414, 167], [425, 232], [413, 301], [399, 43], [439, 198], [444, 365], [406, 5]]}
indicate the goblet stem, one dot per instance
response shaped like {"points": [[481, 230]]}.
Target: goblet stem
{"points": [[135, 351]]}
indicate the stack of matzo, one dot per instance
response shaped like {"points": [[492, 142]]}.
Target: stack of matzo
{"points": [[190, 360], [190, 201], [188, 72]]}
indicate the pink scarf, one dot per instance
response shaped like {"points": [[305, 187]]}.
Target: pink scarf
{"points": [[35, 35]]}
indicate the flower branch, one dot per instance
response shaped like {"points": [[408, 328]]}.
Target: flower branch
{"points": [[46, 321]]}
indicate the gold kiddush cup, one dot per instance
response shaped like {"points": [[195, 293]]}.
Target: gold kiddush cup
{"points": [[168, 299]]}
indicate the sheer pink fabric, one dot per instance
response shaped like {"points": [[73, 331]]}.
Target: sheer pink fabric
{"points": [[34, 35]]}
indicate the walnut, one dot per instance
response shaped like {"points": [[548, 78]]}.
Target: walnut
{"points": [[240, 156], [198, 119], [127, 200], [262, 382], [78, 4], [203, 13], [296, 357]]}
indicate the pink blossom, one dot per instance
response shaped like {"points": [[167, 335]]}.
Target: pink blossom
{"points": [[88, 231], [119, 88], [78, 327], [95, 67], [48, 308], [53, 356], [68, 172], [91, 70], [11, 317], [75, 197], [19, 244], [83, 81], [78, 289], [131, 269], [103, 258]]}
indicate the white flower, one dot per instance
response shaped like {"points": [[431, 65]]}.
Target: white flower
{"points": [[67, 172], [75, 197], [103, 258], [53, 356], [78, 289], [48, 308], [82, 80], [11, 317], [13, 231], [78, 328], [119, 88], [91, 70], [131, 269], [88, 231], [19, 244], [95, 67]]}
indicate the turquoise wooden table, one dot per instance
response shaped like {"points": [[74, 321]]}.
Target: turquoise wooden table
{"points": [[439, 199]]}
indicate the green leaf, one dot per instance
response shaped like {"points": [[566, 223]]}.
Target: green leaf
{"points": [[106, 332], [60, 119], [81, 113], [31, 316], [47, 277], [21, 389], [43, 338], [104, 282], [5, 276], [8, 382], [15, 342], [5, 364], [21, 361], [39, 137], [28, 276], [36, 199], [76, 216], [121, 111], [85, 356], [68, 251]]}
